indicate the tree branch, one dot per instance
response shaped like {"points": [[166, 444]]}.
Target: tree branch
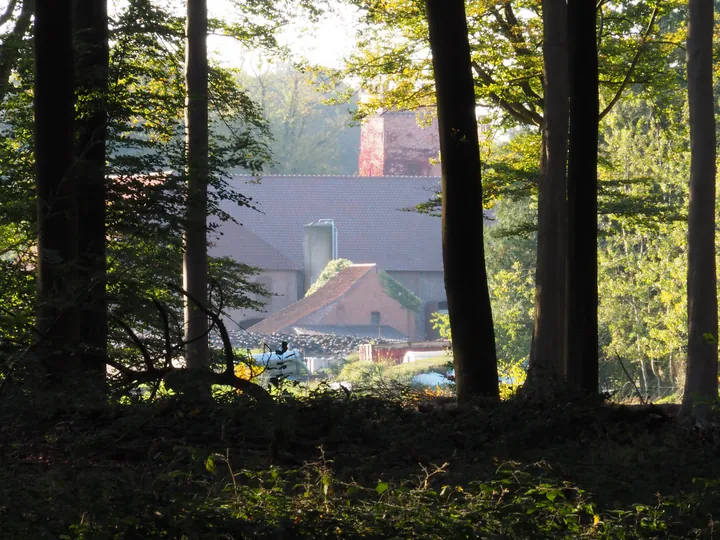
{"points": [[517, 111], [137, 341], [9, 47], [5, 17], [228, 377], [633, 64]]}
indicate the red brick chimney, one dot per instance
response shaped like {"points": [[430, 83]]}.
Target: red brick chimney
{"points": [[393, 144]]}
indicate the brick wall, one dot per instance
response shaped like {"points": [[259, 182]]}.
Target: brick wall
{"points": [[372, 150], [429, 287], [393, 144], [409, 147]]}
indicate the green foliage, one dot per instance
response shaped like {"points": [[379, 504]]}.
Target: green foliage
{"points": [[341, 466], [332, 269], [398, 292], [309, 134], [145, 185]]}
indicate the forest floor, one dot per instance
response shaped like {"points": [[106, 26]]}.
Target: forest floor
{"points": [[335, 465]]}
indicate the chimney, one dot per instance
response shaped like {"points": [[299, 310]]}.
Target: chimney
{"points": [[319, 248]]}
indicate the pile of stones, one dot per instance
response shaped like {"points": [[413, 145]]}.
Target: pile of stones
{"points": [[319, 345]]}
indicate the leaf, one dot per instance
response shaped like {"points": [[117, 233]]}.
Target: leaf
{"points": [[210, 464], [382, 487]]}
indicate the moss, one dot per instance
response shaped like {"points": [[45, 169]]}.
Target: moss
{"points": [[332, 269]]}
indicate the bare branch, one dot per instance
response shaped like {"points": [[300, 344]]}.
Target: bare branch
{"points": [[633, 64], [166, 332], [228, 377], [138, 343]]}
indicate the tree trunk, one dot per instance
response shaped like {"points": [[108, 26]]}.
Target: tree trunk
{"points": [[582, 300], [701, 378], [195, 261], [548, 344], [10, 46], [644, 379], [92, 57], [57, 319], [462, 216]]}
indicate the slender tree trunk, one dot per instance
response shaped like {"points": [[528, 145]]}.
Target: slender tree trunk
{"points": [[92, 57], [701, 378], [656, 375], [644, 376], [57, 319], [462, 216], [582, 301], [195, 261], [548, 344]]}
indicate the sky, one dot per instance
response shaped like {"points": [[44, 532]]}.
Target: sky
{"points": [[325, 43]]}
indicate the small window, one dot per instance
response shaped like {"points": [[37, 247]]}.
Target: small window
{"points": [[375, 318]]}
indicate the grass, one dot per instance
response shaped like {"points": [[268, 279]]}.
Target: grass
{"points": [[426, 365], [339, 466]]}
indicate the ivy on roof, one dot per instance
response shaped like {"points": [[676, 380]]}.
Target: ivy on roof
{"points": [[331, 270]]}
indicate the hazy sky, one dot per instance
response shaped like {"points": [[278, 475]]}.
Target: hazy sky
{"points": [[323, 43]]}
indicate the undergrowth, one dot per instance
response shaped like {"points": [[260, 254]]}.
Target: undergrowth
{"points": [[339, 465]]}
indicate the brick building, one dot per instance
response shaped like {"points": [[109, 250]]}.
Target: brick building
{"points": [[306, 221], [393, 144], [369, 224], [354, 301]]}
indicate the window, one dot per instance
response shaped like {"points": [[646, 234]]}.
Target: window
{"points": [[375, 318]]}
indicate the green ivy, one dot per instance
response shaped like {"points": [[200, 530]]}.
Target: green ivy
{"points": [[397, 291]]}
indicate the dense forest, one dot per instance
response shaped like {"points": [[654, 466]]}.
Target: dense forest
{"points": [[583, 317]]}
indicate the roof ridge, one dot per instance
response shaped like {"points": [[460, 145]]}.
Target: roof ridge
{"points": [[324, 296]]}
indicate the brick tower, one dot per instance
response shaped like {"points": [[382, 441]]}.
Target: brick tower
{"points": [[393, 144]]}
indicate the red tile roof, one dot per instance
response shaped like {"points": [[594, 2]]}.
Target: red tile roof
{"points": [[324, 296], [368, 213]]}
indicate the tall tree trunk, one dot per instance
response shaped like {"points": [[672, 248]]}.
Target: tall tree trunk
{"points": [[548, 344], [582, 301], [462, 216], [701, 378], [92, 57], [195, 261], [57, 319]]}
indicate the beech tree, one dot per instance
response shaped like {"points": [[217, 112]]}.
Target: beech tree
{"points": [[548, 343], [582, 270], [462, 210], [57, 318], [195, 260], [91, 61], [701, 379]]}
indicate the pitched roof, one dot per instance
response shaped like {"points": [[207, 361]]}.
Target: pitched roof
{"points": [[368, 213], [325, 295], [247, 247]]}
